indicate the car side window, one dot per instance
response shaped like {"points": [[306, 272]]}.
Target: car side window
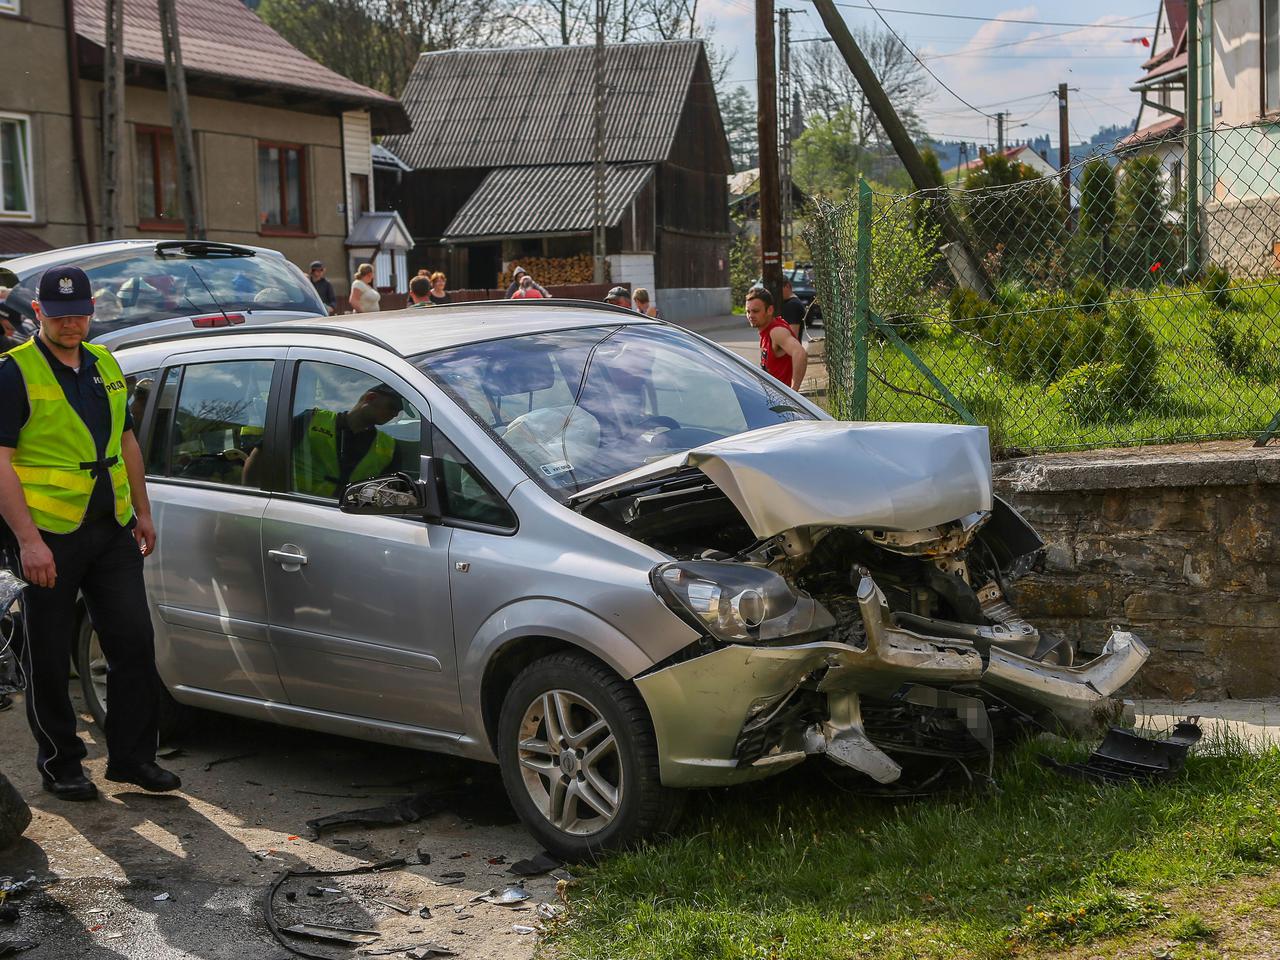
{"points": [[348, 426], [467, 495], [157, 445], [139, 387], [218, 421]]}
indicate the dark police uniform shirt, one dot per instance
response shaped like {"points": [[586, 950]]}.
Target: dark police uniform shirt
{"points": [[88, 397]]}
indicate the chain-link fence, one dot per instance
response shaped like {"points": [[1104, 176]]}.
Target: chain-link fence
{"points": [[1144, 310]]}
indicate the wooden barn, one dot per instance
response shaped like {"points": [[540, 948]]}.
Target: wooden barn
{"points": [[500, 168]]}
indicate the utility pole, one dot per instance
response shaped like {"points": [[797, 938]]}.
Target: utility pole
{"points": [[1000, 132], [112, 117], [176, 80], [598, 234], [1064, 149], [786, 122], [767, 130], [903, 145]]}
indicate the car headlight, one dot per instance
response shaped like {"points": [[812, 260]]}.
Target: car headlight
{"points": [[739, 603]]}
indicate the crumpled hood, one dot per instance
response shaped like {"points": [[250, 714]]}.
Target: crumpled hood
{"points": [[887, 476]]}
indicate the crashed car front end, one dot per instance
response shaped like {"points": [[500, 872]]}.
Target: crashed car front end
{"points": [[854, 588]]}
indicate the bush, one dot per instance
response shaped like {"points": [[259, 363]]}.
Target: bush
{"points": [[1131, 347], [1031, 342], [1240, 351], [1085, 341], [969, 311], [1091, 393], [1090, 294], [1217, 287]]}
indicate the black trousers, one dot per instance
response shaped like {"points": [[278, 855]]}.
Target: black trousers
{"points": [[101, 560]]}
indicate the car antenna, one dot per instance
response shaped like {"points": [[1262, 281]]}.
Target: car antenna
{"points": [[214, 299]]}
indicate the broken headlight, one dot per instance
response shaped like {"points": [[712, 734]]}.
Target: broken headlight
{"points": [[739, 603]]}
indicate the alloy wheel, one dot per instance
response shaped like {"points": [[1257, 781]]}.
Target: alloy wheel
{"points": [[569, 763]]}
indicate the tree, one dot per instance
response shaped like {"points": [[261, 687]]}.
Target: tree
{"points": [[1097, 198], [377, 42], [738, 111], [1013, 210], [843, 139]]}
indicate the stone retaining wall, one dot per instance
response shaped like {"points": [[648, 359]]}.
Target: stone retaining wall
{"points": [[1180, 546]]}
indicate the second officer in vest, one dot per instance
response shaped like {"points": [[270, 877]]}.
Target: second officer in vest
{"points": [[73, 495]]}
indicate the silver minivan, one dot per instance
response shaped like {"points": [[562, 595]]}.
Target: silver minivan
{"points": [[596, 548]]}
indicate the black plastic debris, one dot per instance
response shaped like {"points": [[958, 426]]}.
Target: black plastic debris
{"points": [[326, 933], [1125, 756], [10, 947], [535, 866], [278, 932], [427, 950]]}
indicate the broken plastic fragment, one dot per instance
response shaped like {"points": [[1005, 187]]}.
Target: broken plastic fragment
{"points": [[1124, 755], [427, 950], [524, 928], [534, 866], [510, 896], [159, 897]]}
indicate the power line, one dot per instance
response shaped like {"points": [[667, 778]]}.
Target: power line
{"points": [[923, 65], [964, 16]]}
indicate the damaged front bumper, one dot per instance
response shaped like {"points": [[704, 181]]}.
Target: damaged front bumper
{"points": [[711, 713]]}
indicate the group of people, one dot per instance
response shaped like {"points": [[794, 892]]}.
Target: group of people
{"points": [[425, 290]]}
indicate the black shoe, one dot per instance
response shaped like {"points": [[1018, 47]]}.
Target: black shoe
{"points": [[77, 787], [148, 776]]}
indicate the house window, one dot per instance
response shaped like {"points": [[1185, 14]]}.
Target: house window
{"points": [[10, 6], [282, 193], [157, 179], [1270, 56], [15, 167], [359, 195]]}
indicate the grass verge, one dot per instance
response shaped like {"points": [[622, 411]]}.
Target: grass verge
{"points": [[801, 867]]}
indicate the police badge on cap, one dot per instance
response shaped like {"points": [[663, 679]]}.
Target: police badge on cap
{"points": [[65, 292]]}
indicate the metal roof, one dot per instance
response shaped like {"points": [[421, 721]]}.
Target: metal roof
{"points": [[380, 229], [534, 105], [535, 201], [225, 40], [412, 332]]}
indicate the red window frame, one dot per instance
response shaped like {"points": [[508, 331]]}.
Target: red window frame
{"points": [[302, 229]]}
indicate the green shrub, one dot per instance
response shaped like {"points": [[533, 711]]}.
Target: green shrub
{"points": [[1091, 393], [1085, 340], [1131, 346], [969, 311], [1030, 342], [1090, 294], [1217, 287], [1240, 351]]}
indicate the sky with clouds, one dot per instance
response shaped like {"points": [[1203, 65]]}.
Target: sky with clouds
{"points": [[1006, 66]]}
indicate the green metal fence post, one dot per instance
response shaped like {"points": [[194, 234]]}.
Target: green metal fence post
{"points": [[1191, 106], [862, 302]]}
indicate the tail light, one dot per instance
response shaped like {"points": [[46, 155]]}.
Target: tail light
{"points": [[218, 320]]}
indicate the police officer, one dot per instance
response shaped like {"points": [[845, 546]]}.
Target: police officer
{"points": [[73, 495]]}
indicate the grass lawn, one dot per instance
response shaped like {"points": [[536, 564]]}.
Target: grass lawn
{"points": [[1199, 395], [803, 867]]}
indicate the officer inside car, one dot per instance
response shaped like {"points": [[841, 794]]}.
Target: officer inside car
{"points": [[73, 496]]}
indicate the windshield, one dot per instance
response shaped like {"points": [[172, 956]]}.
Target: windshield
{"points": [[575, 407], [137, 286]]}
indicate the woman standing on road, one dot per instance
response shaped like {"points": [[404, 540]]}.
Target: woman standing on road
{"points": [[364, 297], [438, 294]]}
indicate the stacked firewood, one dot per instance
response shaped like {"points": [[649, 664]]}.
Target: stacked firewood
{"points": [[554, 271]]}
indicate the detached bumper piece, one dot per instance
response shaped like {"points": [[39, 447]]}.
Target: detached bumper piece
{"points": [[1124, 756]]}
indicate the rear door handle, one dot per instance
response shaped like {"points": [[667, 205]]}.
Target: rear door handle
{"points": [[288, 558]]}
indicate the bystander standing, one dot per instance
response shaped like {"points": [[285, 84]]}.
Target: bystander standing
{"points": [[640, 300], [793, 310], [781, 354], [516, 275], [364, 296], [419, 292], [528, 290], [438, 293], [324, 289], [619, 297]]}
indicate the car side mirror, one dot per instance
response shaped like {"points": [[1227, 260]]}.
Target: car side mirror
{"points": [[397, 495]]}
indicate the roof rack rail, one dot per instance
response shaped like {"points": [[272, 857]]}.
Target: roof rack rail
{"points": [[265, 328], [542, 301]]}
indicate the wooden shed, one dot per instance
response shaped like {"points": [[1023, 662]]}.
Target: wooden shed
{"points": [[501, 154]]}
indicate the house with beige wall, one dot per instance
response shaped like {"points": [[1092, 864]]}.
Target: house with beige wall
{"points": [[282, 143]]}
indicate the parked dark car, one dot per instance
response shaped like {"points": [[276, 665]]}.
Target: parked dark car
{"points": [[145, 288], [802, 285]]}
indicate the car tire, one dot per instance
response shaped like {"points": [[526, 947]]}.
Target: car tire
{"points": [[580, 806], [175, 720]]}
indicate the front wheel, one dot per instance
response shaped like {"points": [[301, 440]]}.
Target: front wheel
{"points": [[579, 758]]}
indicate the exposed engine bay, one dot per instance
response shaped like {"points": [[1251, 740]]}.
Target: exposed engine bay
{"points": [[875, 646]]}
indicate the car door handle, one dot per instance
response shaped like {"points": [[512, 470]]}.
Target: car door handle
{"points": [[287, 558]]}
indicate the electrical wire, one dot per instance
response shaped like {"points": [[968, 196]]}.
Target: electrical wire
{"points": [[963, 16], [924, 65]]}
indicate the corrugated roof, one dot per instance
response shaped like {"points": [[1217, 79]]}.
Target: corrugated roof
{"points": [[226, 40], [532, 201], [534, 106]]}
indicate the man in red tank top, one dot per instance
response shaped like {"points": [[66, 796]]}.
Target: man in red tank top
{"points": [[781, 354]]}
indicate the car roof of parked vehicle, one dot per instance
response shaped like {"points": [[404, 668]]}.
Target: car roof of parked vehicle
{"points": [[24, 266], [411, 332]]}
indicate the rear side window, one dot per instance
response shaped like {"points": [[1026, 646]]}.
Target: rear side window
{"points": [[210, 422], [140, 388]]}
